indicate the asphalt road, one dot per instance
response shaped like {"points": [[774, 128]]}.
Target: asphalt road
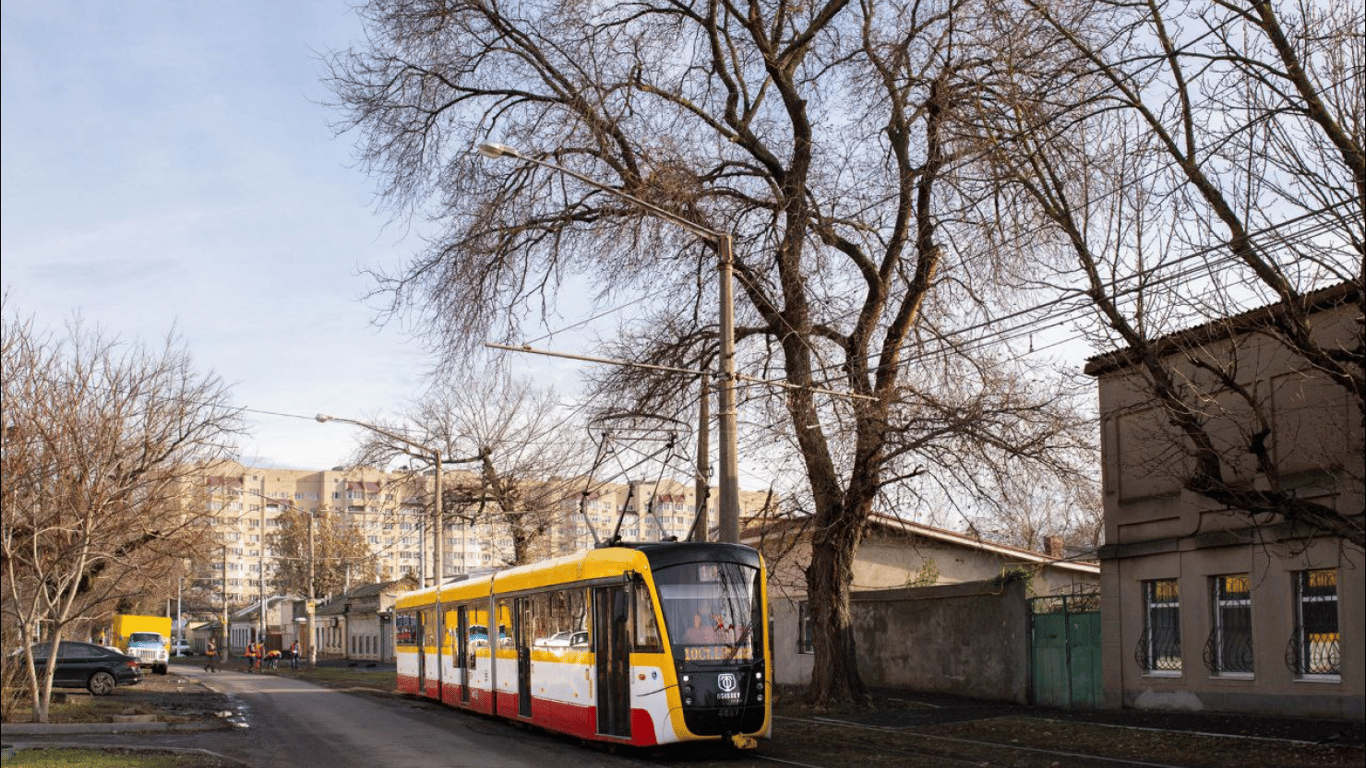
{"points": [[283, 721]]}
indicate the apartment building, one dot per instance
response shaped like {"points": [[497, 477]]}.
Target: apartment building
{"points": [[647, 512], [391, 510]]}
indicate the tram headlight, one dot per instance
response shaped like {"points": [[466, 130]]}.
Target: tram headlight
{"points": [[758, 675]]}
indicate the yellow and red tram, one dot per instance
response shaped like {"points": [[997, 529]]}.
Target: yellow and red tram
{"points": [[642, 644]]}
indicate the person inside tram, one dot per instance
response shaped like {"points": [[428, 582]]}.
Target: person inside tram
{"points": [[703, 629]]}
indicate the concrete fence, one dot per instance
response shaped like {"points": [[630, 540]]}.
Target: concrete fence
{"points": [[969, 639]]}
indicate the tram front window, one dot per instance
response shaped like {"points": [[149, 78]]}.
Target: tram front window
{"points": [[711, 610]]}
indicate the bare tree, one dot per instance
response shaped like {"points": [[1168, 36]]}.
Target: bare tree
{"points": [[521, 452], [332, 552], [100, 438], [1200, 168], [821, 136]]}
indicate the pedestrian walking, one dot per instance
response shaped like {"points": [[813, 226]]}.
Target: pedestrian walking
{"points": [[211, 652], [294, 655]]}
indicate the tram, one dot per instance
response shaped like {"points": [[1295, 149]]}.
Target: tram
{"points": [[638, 643]]}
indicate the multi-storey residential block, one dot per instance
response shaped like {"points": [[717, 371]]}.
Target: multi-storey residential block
{"points": [[392, 512]]}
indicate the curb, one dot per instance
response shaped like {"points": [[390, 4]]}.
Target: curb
{"points": [[68, 729], [11, 749]]}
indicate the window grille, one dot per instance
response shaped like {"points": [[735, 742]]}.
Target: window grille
{"points": [[1159, 647], [1313, 648], [1229, 648], [804, 642]]}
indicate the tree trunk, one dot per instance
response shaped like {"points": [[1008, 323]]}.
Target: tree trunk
{"points": [[834, 543]]}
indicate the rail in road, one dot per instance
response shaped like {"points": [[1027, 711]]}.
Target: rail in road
{"points": [[288, 721]]}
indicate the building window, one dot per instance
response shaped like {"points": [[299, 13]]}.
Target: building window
{"points": [[1229, 648], [1159, 648], [804, 643], [1313, 649]]}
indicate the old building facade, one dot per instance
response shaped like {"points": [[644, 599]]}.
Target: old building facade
{"points": [[1207, 607]]}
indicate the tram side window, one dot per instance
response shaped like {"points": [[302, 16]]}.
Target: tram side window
{"points": [[535, 618], [405, 628], [577, 601], [429, 628], [561, 619], [505, 639], [477, 634], [647, 629]]}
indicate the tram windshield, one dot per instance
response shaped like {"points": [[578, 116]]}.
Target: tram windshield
{"points": [[711, 610]]}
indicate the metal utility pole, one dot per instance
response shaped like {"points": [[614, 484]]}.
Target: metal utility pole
{"points": [[438, 513], [310, 607], [179, 617], [261, 574], [225, 651], [426, 452], [701, 526], [728, 503]]}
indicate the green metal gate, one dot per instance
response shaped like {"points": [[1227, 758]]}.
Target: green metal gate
{"points": [[1064, 636]]}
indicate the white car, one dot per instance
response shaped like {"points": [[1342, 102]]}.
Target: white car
{"points": [[181, 648]]}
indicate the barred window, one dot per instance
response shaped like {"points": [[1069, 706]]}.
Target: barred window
{"points": [[1313, 648], [1229, 648], [804, 643], [1159, 648]]}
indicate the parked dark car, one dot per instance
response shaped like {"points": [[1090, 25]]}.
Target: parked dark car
{"points": [[86, 665]]}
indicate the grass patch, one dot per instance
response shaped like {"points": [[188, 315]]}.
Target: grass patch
{"points": [[110, 758], [345, 677], [81, 707]]}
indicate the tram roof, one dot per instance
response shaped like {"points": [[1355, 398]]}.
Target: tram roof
{"points": [[599, 561]]}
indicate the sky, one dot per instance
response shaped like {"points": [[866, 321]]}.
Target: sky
{"points": [[171, 166]]}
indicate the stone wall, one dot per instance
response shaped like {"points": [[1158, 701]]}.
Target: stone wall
{"points": [[968, 639]]}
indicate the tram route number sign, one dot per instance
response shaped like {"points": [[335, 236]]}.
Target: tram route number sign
{"points": [[718, 653]]}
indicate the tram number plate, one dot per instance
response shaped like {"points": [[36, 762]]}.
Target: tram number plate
{"points": [[730, 712]]}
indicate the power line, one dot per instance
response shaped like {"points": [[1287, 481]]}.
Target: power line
{"points": [[1055, 312]]}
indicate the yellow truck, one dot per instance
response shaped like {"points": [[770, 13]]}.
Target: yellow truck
{"points": [[146, 637]]}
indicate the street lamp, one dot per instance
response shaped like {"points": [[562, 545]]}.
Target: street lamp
{"points": [[729, 501], [435, 454], [432, 454]]}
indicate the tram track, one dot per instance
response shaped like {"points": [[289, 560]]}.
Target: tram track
{"points": [[896, 742], [827, 742], [851, 753]]}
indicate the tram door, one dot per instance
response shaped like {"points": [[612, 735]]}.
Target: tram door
{"points": [[463, 662], [611, 633], [422, 618], [521, 625]]}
